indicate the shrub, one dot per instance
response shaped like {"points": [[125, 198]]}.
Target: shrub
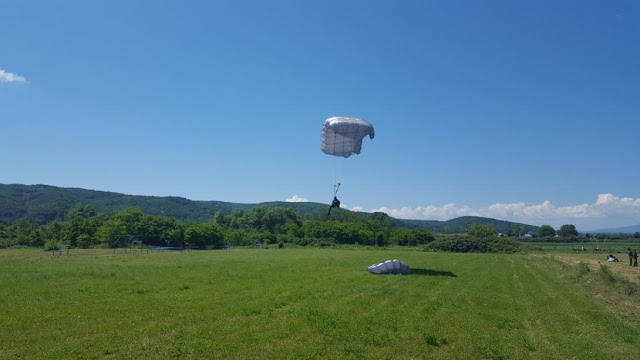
{"points": [[459, 245], [83, 241], [484, 245], [322, 243], [51, 245], [509, 246]]}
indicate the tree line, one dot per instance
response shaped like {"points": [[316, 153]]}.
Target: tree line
{"points": [[568, 232], [546, 233], [83, 227]]}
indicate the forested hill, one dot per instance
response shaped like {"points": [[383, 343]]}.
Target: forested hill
{"points": [[41, 204], [461, 225]]}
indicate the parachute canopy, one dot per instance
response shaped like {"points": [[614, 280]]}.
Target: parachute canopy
{"points": [[394, 266], [342, 136]]}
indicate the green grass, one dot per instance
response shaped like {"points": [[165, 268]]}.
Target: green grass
{"points": [[615, 247], [309, 303]]}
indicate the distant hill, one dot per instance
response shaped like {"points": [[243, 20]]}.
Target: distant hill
{"points": [[621, 230], [461, 224], [42, 204]]}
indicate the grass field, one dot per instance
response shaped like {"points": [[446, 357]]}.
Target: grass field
{"points": [[615, 247], [315, 303]]}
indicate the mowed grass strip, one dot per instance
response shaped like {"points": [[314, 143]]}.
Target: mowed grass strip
{"points": [[304, 303]]}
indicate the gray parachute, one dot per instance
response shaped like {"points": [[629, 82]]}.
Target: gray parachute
{"points": [[342, 136], [394, 266]]}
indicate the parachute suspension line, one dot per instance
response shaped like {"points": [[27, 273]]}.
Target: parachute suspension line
{"points": [[338, 170], [342, 137], [333, 167]]}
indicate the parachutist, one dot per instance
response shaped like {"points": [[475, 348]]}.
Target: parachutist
{"points": [[334, 204], [342, 137]]}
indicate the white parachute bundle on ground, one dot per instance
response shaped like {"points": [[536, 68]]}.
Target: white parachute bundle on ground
{"points": [[394, 266], [342, 136]]}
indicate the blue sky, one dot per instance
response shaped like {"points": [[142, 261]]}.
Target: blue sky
{"points": [[525, 111]]}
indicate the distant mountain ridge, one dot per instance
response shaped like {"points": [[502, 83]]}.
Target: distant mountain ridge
{"points": [[42, 204], [461, 224], [621, 230]]}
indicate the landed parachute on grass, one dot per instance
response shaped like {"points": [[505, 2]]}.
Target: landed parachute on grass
{"points": [[342, 136], [394, 266]]}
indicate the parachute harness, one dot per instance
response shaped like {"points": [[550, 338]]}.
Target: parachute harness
{"points": [[335, 203]]}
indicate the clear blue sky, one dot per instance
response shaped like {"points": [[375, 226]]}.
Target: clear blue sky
{"points": [[519, 110]]}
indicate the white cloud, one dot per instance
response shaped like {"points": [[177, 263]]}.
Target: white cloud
{"points": [[296, 198], [352, 208], [11, 77], [607, 211], [430, 212]]}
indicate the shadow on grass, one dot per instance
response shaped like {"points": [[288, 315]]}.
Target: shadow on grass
{"points": [[428, 272]]}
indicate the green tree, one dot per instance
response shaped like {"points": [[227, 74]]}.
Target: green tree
{"points": [[4, 236], [254, 218], [482, 230], [516, 230], [318, 229], [383, 219], [132, 220], [83, 241], [220, 219], [78, 225], [236, 219], [402, 237], [162, 231], [23, 229], [411, 237], [546, 231], [83, 211], [568, 230], [237, 237], [293, 230], [106, 233], [37, 238], [54, 231], [353, 232], [422, 236], [81, 222], [275, 218], [202, 235]]}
